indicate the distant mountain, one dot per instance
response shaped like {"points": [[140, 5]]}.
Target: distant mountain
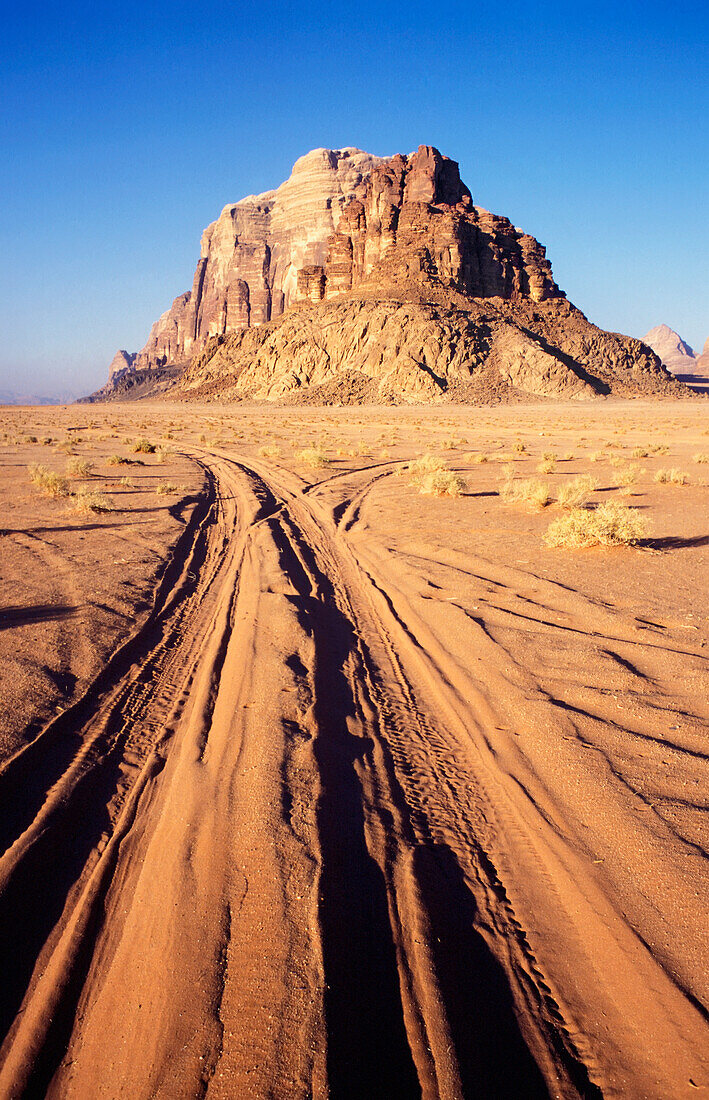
{"points": [[674, 352], [10, 397], [703, 360]]}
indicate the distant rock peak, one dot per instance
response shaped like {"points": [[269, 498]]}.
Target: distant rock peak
{"points": [[674, 352]]}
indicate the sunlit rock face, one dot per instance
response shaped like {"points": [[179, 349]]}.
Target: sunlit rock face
{"points": [[251, 255], [345, 219], [369, 278]]}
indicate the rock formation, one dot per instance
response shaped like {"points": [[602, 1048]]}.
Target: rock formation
{"points": [[702, 361], [671, 348], [382, 274]]}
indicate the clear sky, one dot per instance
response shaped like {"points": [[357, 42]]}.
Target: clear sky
{"points": [[125, 128]]}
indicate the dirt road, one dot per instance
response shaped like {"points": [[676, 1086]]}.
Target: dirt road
{"points": [[348, 821]]}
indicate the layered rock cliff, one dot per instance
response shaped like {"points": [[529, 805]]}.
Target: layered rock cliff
{"points": [[381, 273]]}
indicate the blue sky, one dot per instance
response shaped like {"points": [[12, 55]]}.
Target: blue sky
{"points": [[124, 131]]}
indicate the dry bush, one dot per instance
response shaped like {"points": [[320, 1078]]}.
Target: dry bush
{"points": [[163, 452], [659, 449], [673, 476], [441, 483], [126, 483], [79, 467], [530, 491], [596, 456], [701, 458], [569, 456], [475, 456], [639, 452], [87, 501], [546, 466], [271, 451], [48, 483], [143, 447], [165, 488], [610, 524], [419, 467], [314, 457], [118, 460], [520, 447], [626, 478], [576, 492]]}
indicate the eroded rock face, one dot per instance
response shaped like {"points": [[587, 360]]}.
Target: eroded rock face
{"points": [[345, 219], [122, 361], [381, 276], [418, 351]]}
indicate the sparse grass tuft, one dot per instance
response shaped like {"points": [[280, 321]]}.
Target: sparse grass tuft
{"points": [[530, 491], [576, 492], [441, 483], [673, 476], [418, 468], [49, 483], [314, 457], [271, 451], [610, 524], [702, 458], [87, 501], [166, 488], [79, 467]]}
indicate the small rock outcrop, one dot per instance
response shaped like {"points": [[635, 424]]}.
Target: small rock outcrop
{"points": [[383, 274]]}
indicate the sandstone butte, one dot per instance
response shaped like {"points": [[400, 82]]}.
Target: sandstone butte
{"points": [[368, 279]]}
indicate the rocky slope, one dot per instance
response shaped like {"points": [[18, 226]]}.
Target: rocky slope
{"points": [[362, 278]]}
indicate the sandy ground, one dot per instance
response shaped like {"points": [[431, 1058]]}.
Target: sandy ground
{"points": [[313, 785]]}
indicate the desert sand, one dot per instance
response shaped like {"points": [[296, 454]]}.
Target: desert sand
{"points": [[313, 785]]}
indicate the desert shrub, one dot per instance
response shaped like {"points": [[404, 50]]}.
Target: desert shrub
{"points": [[314, 457], [702, 458], [126, 483], [88, 501], [143, 447], [30, 439], [659, 449], [49, 483], [271, 451], [576, 492], [166, 488], [569, 456], [596, 456], [475, 456], [529, 491], [441, 483], [163, 452], [546, 466], [610, 524], [79, 467], [548, 456], [673, 476], [418, 468], [626, 477], [639, 452], [520, 447]]}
